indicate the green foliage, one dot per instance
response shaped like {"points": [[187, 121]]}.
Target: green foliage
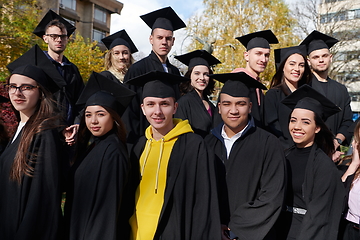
{"points": [[223, 20], [86, 55]]}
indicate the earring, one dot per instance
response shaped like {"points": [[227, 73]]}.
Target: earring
{"points": [[117, 124]]}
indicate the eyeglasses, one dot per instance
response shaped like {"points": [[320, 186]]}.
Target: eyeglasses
{"points": [[25, 88], [56, 36]]}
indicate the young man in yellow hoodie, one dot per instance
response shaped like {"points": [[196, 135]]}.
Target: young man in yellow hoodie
{"points": [[176, 195]]}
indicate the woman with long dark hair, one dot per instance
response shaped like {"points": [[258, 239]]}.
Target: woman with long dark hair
{"points": [[292, 72], [29, 166], [194, 105], [119, 57], [100, 171], [315, 194]]}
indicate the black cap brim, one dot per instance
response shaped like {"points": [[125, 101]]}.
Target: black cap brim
{"points": [[164, 18], [260, 39], [119, 38], [305, 97], [198, 57], [282, 54], [49, 16], [101, 91], [317, 40]]}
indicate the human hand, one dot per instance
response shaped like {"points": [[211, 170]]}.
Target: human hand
{"points": [[70, 134]]}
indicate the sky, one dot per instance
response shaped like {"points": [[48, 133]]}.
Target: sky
{"points": [[139, 32]]}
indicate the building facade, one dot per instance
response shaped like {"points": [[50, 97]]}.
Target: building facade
{"points": [[341, 19], [90, 17]]}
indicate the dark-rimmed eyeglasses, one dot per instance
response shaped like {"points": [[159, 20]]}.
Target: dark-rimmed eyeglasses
{"points": [[56, 36], [23, 88]]}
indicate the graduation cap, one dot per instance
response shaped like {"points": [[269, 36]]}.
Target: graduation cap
{"points": [[49, 16], [157, 84], [164, 18], [198, 57], [306, 97], [261, 39], [119, 38], [102, 91], [282, 54], [3, 99], [36, 74], [36, 57], [317, 40], [237, 84]]}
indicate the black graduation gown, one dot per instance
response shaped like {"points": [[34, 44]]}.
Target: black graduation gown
{"points": [[31, 210], [255, 180], [277, 116], [191, 107], [338, 94], [324, 195], [67, 97], [110, 76], [190, 209], [133, 117], [95, 196]]}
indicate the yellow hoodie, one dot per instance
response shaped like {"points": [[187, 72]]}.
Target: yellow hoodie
{"points": [[150, 192]]}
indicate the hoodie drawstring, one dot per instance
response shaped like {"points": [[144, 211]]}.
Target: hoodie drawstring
{"points": [[158, 167]]}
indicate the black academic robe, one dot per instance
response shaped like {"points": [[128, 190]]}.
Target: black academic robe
{"points": [[134, 119], [97, 188], [323, 194], [338, 94], [277, 116], [190, 208], [255, 181], [191, 107], [31, 210], [67, 97], [110, 76]]}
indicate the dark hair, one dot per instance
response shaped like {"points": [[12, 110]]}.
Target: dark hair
{"points": [[58, 24], [278, 79], [84, 133], [46, 116], [186, 87], [324, 138]]}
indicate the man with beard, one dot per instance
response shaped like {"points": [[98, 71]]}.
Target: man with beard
{"points": [[55, 31], [319, 59]]}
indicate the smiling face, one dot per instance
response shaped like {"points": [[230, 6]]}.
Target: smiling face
{"points": [[159, 113], [302, 127], [120, 57], [200, 77], [58, 44], [320, 60], [25, 101], [257, 59], [234, 112], [162, 41], [294, 68], [98, 120]]}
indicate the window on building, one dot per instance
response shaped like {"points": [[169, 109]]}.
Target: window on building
{"points": [[356, 13], [68, 4], [100, 14], [98, 35]]}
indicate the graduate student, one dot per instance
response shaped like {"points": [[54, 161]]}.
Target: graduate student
{"points": [[253, 177], [163, 23], [55, 31], [119, 57], [257, 56], [194, 105], [315, 193], [319, 58], [176, 197], [99, 174], [292, 72], [29, 166]]}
